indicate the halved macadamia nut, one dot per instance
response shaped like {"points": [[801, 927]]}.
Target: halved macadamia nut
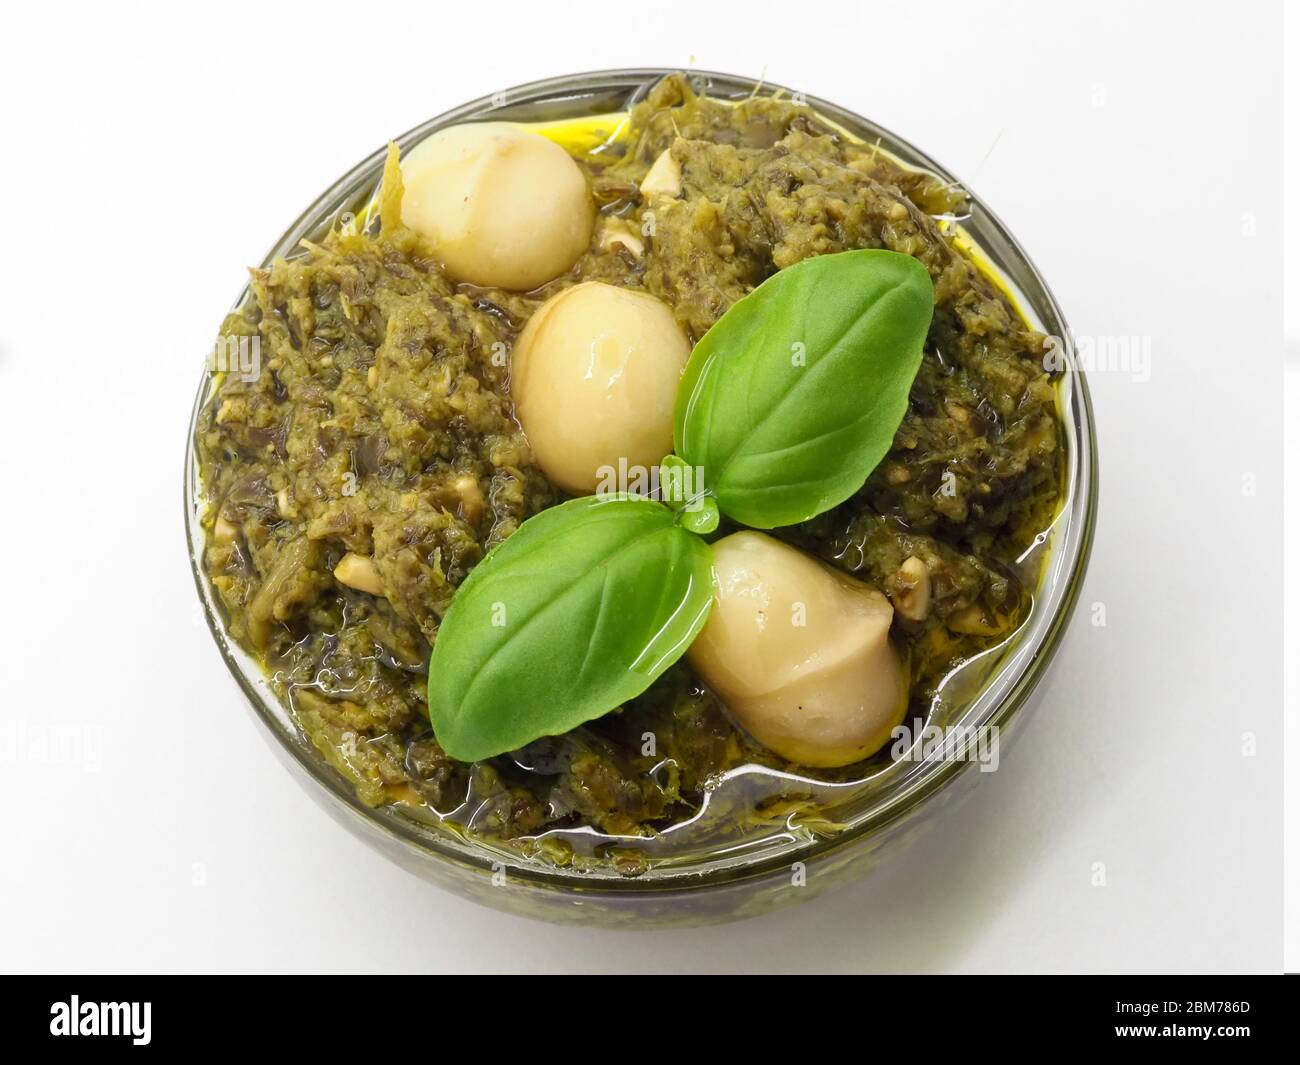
{"points": [[594, 377], [497, 204], [800, 653]]}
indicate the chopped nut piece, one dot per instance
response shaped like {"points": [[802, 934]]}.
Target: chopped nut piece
{"points": [[912, 600], [664, 178], [284, 504], [359, 572], [471, 498], [974, 621], [617, 233], [224, 531]]}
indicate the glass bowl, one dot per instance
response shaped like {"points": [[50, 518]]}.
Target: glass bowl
{"points": [[735, 882]]}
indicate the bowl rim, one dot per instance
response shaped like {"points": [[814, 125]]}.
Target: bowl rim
{"points": [[1080, 500]]}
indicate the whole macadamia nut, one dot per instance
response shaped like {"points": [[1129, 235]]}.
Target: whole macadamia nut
{"points": [[498, 205], [800, 653], [594, 379]]}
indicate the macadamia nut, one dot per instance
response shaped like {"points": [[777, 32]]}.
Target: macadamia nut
{"points": [[800, 653], [594, 378], [497, 204]]}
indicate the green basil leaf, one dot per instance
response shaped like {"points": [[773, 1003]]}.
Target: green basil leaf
{"points": [[700, 516], [577, 612], [793, 397]]}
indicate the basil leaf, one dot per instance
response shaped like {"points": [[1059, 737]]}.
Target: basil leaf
{"points": [[793, 397], [577, 612], [700, 517]]}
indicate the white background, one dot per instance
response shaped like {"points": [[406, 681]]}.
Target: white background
{"points": [[1134, 149]]}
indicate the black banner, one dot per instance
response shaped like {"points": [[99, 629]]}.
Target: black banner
{"points": [[143, 1013]]}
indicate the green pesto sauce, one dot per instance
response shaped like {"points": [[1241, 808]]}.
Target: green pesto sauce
{"points": [[382, 426]]}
